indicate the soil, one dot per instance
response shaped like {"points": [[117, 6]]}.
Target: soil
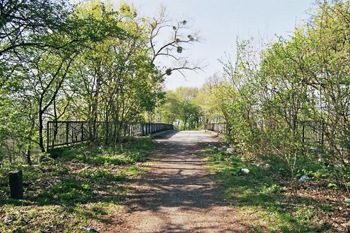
{"points": [[178, 194]]}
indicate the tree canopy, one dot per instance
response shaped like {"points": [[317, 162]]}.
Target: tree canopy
{"points": [[83, 62]]}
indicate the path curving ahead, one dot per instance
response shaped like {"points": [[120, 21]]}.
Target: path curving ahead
{"points": [[178, 194]]}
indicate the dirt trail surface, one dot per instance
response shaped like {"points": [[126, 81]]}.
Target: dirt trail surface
{"points": [[178, 194]]}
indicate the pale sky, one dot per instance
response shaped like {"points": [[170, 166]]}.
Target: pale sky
{"points": [[220, 22]]}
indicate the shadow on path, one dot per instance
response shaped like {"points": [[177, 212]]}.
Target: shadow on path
{"points": [[178, 195]]}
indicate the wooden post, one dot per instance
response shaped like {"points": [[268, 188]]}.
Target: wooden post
{"points": [[16, 184]]}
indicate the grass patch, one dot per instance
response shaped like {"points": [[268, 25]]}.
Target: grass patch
{"points": [[82, 187], [268, 202]]}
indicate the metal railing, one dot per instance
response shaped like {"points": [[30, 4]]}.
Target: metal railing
{"points": [[66, 133], [217, 127], [312, 132], [151, 128]]}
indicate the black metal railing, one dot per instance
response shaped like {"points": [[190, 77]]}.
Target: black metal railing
{"points": [[66, 133], [312, 133], [217, 127]]}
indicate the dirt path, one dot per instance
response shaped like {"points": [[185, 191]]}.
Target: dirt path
{"points": [[178, 195]]}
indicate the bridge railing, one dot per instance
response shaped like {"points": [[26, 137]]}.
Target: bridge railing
{"points": [[66, 133], [217, 127], [312, 133], [151, 128]]}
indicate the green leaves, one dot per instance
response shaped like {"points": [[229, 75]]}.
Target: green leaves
{"points": [[182, 105], [23, 23], [291, 99], [82, 62]]}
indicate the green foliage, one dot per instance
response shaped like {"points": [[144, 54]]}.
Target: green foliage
{"points": [[125, 153], [208, 100], [37, 84], [24, 24], [83, 62], [261, 194], [68, 192], [181, 105], [290, 99]]}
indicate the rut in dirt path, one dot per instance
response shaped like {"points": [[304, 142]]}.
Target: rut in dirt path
{"points": [[178, 194]]}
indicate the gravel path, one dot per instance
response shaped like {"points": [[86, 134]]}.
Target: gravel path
{"points": [[178, 194]]}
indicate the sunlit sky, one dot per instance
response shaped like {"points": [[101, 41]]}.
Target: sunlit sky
{"points": [[220, 22]]}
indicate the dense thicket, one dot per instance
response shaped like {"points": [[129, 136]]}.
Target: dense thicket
{"points": [[292, 99]]}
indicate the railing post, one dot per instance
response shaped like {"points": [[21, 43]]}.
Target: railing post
{"points": [[72, 135], [47, 136], [67, 126]]}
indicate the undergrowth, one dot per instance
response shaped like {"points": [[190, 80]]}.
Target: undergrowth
{"points": [[269, 201], [82, 187]]}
